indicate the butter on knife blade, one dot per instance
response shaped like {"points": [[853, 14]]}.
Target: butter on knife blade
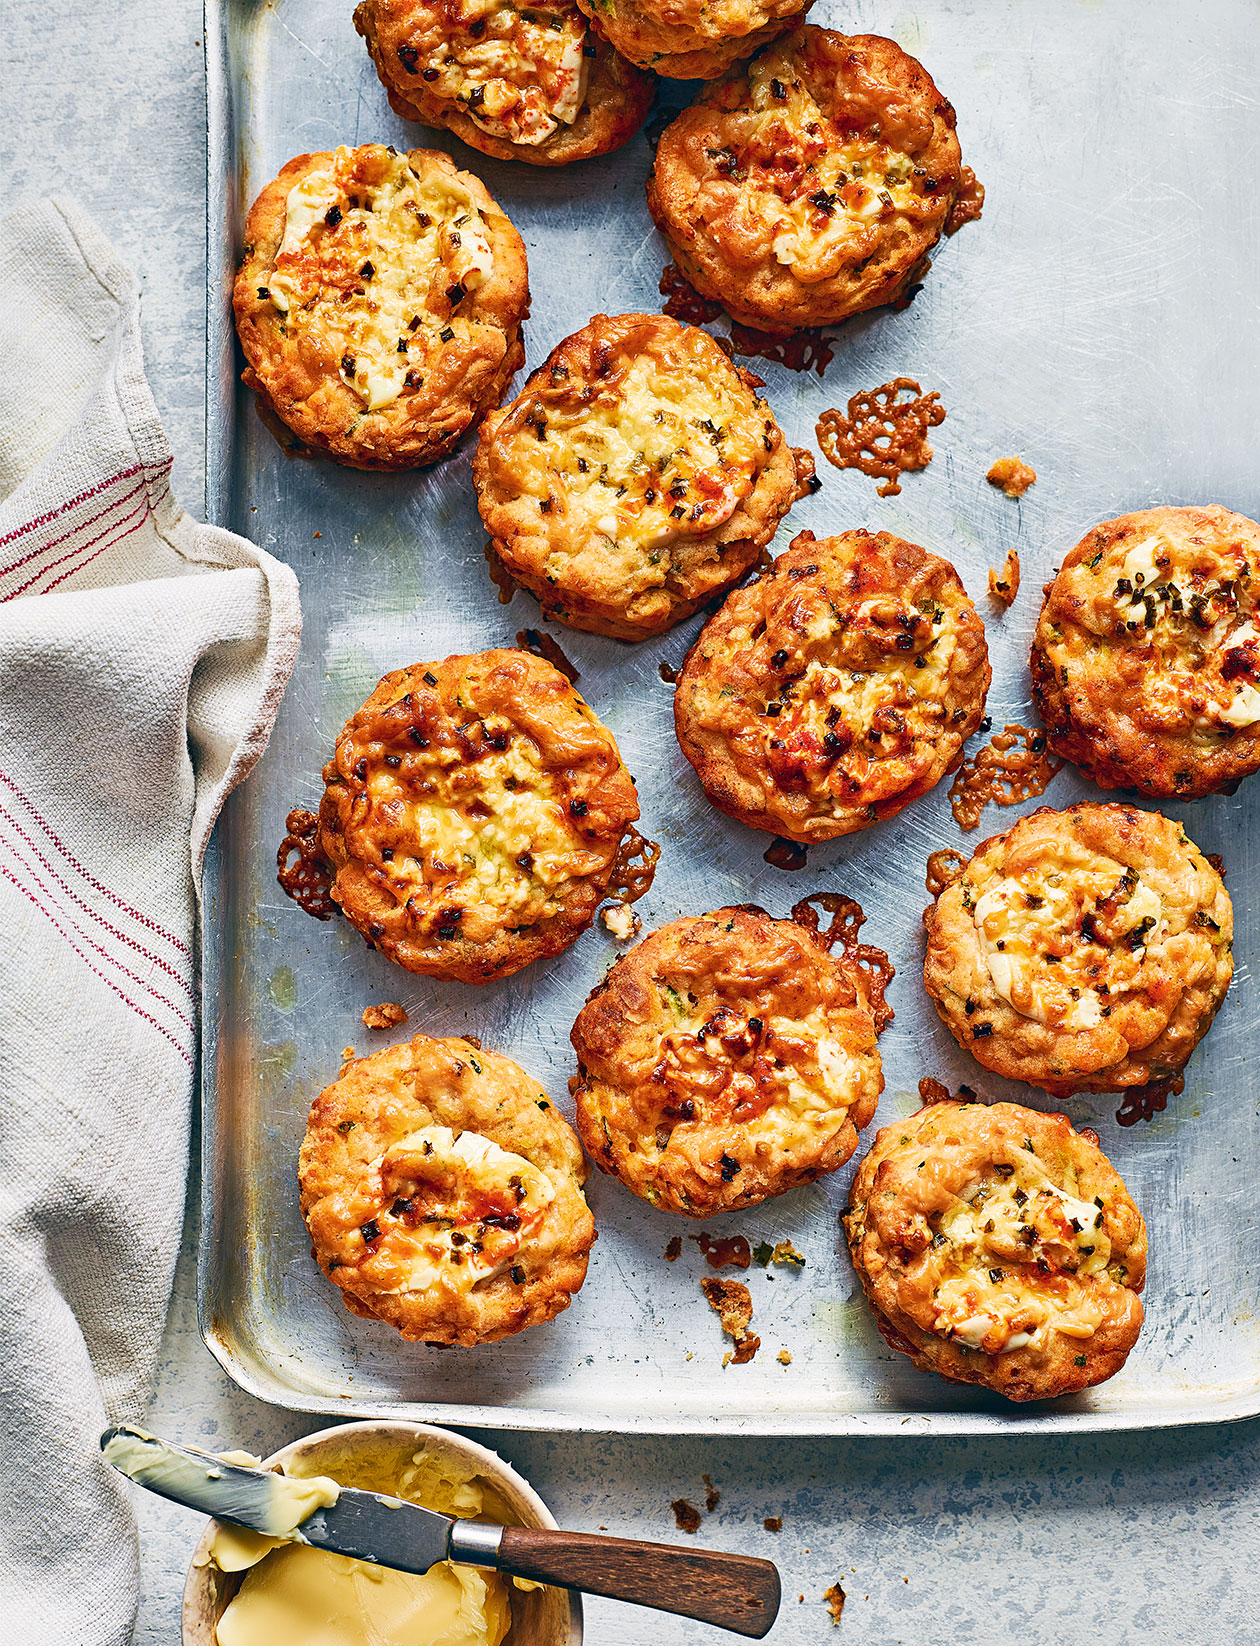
{"points": [[268, 1507]]}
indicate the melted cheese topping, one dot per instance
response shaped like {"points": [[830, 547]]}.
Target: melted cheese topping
{"points": [[816, 193], [1020, 1253], [375, 260], [491, 835], [1065, 939], [857, 714], [782, 1079], [440, 1212], [1198, 621], [666, 446], [517, 74]]}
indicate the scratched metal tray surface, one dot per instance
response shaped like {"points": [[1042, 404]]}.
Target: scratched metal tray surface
{"points": [[1101, 320]]}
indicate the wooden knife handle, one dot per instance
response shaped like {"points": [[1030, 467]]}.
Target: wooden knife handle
{"points": [[736, 1592]]}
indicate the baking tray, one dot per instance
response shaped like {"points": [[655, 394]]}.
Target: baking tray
{"points": [[1100, 320]]}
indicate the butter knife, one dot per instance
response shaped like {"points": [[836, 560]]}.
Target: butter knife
{"points": [[735, 1592]]}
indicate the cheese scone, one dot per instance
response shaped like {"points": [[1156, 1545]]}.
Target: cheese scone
{"points": [[835, 688], [809, 184], [443, 1193], [726, 1058], [472, 814], [1082, 951], [998, 1246], [1146, 659], [379, 303], [533, 83], [692, 39], [636, 475]]}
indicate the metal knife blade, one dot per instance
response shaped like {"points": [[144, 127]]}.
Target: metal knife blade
{"points": [[341, 1519]]}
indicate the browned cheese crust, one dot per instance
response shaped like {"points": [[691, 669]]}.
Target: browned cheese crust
{"points": [[1146, 659], [835, 688], [809, 184], [998, 1246], [726, 1058], [1082, 951], [443, 1193], [531, 83], [692, 39], [472, 814], [379, 303], [636, 475]]}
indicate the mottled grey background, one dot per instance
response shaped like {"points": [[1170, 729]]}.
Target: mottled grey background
{"points": [[1051, 1539]]}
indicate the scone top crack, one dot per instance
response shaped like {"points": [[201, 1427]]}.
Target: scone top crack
{"points": [[472, 815], [379, 302], [835, 688], [443, 1193], [535, 82], [998, 1246], [1146, 659], [724, 1059], [1085, 950], [810, 184], [638, 473]]}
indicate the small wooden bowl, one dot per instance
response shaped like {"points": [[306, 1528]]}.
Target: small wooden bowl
{"points": [[540, 1617]]}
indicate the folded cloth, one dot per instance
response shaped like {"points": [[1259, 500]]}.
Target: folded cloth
{"points": [[142, 660]]}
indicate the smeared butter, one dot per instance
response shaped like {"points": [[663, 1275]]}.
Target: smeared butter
{"points": [[299, 1596]]}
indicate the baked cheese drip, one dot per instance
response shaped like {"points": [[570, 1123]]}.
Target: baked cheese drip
{"points": [[1069, 936], [443, 1212], [517, 73], [664, 444], [782, 1079], [817, 193], [481, 834], [1017, 1257], [872, 693], [375, 260]]}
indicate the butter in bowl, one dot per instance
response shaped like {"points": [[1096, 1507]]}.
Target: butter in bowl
{"points": [[245, 1589]]}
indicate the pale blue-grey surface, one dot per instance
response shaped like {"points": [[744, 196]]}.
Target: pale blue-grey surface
{"points": [[1064, 1539]]}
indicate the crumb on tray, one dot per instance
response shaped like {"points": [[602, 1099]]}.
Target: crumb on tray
{"points": [[1013, 475], [732, 1302], [686, 1515], [388, 1015], [835, 1601]]}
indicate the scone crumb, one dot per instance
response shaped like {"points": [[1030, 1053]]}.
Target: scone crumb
{"points": [[732, 1302], [1004, 584], [932, 1090], [773, 1523], [673, 1250], [622, 921], [1013, 475], [835, 1601], [686, 1515], [712, 1497], [388, 1015], [784, 1357]]}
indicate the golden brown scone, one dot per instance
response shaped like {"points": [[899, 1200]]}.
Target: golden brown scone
{"points": [[534, 83], [692, 39], [1146, 659], [1082, 951], [998, 1246], [472, 815], [726, 1058], [443, 1193], [379, 303], [835, 688], [809, 184], [637, 474]]}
